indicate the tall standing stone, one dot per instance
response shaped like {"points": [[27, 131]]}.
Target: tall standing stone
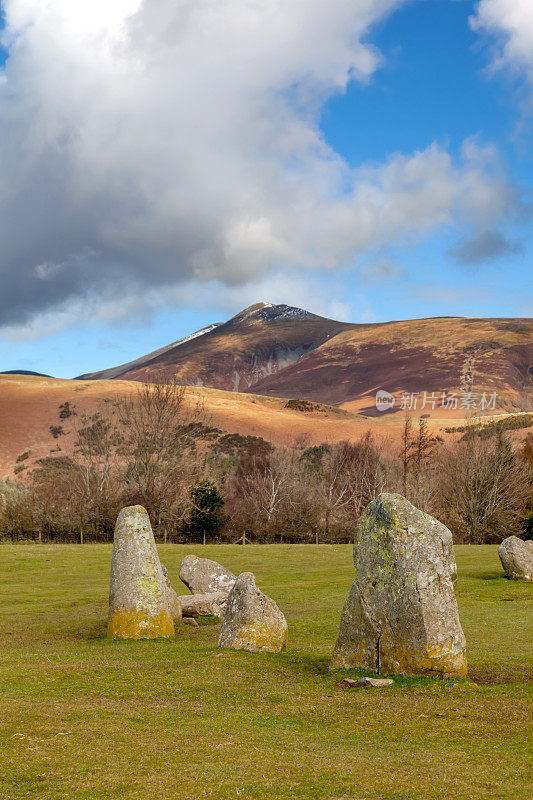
{"points": [[517, 558], [401, 614], [252, 621], [139, 605]]}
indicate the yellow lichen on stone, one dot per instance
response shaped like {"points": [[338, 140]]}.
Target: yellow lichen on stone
{"points": [[127, 624], [397, 657], [258, 636], [139, 606], [253, 621], [150, 589]]}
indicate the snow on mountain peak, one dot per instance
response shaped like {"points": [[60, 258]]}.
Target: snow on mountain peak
{"points": [[269, 312]]}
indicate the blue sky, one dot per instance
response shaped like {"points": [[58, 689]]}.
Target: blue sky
{"points": [[434, 86]]}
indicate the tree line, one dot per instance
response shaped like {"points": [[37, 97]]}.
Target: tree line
{"points": [[199, 483]]}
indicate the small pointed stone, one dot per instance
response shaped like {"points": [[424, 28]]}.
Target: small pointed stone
{"points": [[138, 596], [252, 620]]}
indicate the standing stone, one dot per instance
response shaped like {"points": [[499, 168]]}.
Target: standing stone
{"points": [[202, 576], [517, 558], [401, 613], [139, 605], [172, 596], [252, 621]]}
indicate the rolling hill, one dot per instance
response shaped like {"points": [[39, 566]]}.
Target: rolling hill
{"points": [[37, 417]]}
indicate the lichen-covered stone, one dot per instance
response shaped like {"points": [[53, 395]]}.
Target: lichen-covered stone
{"points": [[203, 605], [139, 605], [173, 599], [202, 576], [517, 558], [401, 614], [252, 620]]}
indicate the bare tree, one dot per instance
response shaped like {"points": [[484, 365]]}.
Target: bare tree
{"points": [[158, 451], [484, 489], [423, 448], [406, 451], [260, 496], [93, 489], [344, 478]]}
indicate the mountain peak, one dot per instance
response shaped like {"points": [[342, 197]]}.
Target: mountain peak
{"points": [[268, 312], [250, 311]]}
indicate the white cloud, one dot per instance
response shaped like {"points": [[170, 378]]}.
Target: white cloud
{"points": [[153, 143], [511, 21]]}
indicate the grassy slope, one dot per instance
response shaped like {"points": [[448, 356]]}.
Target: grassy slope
{"points": [[84, 717], [29, 405]]}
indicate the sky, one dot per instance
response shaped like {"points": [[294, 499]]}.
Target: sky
{"points": [[166, 163]]}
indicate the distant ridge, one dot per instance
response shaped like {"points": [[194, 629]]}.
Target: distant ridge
{"points": [[24, 372], [115, 372]]}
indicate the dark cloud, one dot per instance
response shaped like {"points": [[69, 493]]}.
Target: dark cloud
{"points": [[488, 246]]}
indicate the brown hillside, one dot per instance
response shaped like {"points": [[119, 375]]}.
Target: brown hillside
{"points": [[432, 356], [30, 405]]}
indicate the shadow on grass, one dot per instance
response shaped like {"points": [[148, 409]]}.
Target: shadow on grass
{"points": [[309, 665], [94, 631], [316, 667], [488, 675], [97, 632]]}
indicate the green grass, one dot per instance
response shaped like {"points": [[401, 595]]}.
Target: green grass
{"points": [[85, 717]]}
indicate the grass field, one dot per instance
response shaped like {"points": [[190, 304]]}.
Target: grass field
{"points": [[85, 717]]}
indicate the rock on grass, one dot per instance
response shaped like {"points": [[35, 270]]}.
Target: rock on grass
{"points": [[203, 576], [252, 621], [517, 558], [401, 614]]}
